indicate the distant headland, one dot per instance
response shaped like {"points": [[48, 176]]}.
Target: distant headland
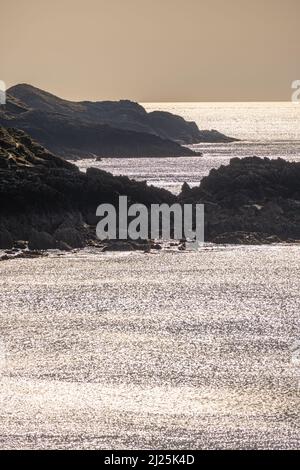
{"points": [[88, 129]]}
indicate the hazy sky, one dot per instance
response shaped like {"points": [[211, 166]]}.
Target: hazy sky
{"points": [[153, 50]]}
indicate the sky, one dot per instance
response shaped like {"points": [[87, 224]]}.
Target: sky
{"points": [[153, 50]]}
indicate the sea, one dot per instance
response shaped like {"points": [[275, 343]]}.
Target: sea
{"points": [[161, 350], [266, 130]]}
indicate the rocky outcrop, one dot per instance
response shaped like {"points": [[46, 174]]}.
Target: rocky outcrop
{"points": [[245, 238], [41, 241], [70, 237], [73, 139], [174, 127], [47, 201], [250, 199], [100, 129], [29, 254], [214, 136]]}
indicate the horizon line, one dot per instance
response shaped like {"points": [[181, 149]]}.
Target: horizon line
{"points": [[152, 101]]}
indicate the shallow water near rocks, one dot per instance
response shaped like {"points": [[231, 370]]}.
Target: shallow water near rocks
{"points": [[266, 130], [160, 350]]}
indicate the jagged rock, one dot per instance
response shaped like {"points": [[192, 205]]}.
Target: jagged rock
{"points": [[70, 237], [60, 245], [41, 241], [20, 244], [250, 195], [38, 189], [72, 220], [185, 189]]}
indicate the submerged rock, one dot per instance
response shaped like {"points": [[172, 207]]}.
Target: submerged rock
{"points": [[29, 254], [245, 238], [20, 244], [126, 245]]}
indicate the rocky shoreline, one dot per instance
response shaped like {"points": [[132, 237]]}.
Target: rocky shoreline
{"points": [[251, 200], [46, 203]]}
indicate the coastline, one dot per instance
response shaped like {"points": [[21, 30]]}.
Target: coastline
{"points": [[95, 337]]}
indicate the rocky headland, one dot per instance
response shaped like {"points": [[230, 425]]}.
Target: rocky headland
{"points": [[87, 129], [47, 203], [251, 200]]}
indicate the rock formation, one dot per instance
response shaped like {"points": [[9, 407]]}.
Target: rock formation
{"points": [[104, 129], [46, 202], [49, 202], [250, 196]]}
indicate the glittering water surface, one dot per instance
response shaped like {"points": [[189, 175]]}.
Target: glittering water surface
{"points": [[171, 173], [164, 350], [260, 121], [266, 129]]}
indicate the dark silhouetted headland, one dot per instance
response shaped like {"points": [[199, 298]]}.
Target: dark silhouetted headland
{"points": [[100, 129]]}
